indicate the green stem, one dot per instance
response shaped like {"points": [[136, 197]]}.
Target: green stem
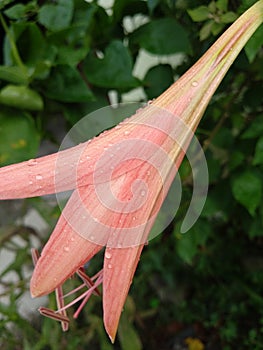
{"points": [[15, 52]]}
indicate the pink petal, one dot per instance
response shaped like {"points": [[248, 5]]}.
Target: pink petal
{"points": [[119, 268], [65, 251]]}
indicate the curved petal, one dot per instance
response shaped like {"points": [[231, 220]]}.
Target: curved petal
{"points": [[119, 268], [65, 251]]}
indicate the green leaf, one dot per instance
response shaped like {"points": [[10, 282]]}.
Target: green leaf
{"points": [[16, 12], [255, 229], [153, 36], [188, 244], [68, 54], [246, 189], [3, 3], [127, 334], [56, 17], [13, 75], [255, 129], [152, 4], [236, 158], [19, 139], [114, 70], [222, 5], [199, 14], [31, 44], [206, 30], [258, 157], [21, 97], [228, 17], [157, 80], [217, 28], [254, 45], [65, 84]]}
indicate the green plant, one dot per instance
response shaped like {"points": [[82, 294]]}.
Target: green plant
{"points": [[59, 68]]}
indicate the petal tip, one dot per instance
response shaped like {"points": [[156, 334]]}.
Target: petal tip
{"points": [[111, 333]]}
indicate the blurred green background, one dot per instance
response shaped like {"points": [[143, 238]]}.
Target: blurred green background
{"points": [[62, 59]]}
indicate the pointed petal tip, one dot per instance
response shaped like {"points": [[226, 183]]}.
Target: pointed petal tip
{"points": [[111, 331], [112, 339], [34, 291]]}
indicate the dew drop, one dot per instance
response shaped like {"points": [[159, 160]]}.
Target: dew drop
{"points": [[107, 255], [66, 249], [87, 157], [109, 266], [72, 239], [134, 218], [150, 102], [127, 132], [39, 177], [32, 162], [91, 237], [30, 182], [143, 193], [111, 155], [194, 83]]}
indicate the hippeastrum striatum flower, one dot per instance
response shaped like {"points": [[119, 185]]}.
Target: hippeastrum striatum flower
{"points": [[119, 181]]}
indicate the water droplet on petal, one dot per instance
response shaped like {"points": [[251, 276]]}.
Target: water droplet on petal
{"points": [[39, 177], [72, 239], [150, 102], [66, 249], [107, 255], [30, 182], [143, 193], [127, 132], [109, 266], [32, 162], [194, 83]]}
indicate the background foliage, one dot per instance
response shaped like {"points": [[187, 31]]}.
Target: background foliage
{"points": [[62, 59]]}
